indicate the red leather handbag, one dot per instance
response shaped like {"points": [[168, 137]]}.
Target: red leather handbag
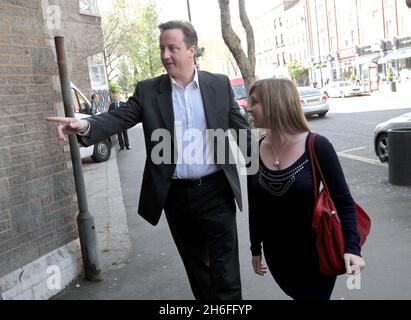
{"points": [[330, 241]]}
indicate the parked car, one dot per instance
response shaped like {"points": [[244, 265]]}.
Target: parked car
{"points": [[313, 101], [381, 133], [343, 89], [100, 151], [240, 93]]}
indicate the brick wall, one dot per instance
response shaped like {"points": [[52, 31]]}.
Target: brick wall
{"points": [[83, 37], [37, 206]]}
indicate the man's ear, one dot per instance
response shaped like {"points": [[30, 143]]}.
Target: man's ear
{"points": [[193, 51]]}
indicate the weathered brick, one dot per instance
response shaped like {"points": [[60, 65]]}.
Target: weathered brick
{"points": [[4, 25], [43, 61], [21, 60], [23, 168], [8, 243], [49, 147], [17, 257], [15, 11], [13, 90], [13, 49], [36, 174], [63, 185], [15, 70], [15, 100], [33, 4], [5, 59], [27, 26], [8, 203], [5, 159], [38, 188], [26, 216], [10, 131], [4, 226]]}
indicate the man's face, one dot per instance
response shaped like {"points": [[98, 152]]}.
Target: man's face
{"points": [[177, 59]]}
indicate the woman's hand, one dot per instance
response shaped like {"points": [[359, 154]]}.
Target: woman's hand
{"points": [[258, 267], [353, 264]]}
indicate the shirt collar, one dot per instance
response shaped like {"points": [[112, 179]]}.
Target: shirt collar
{"points": [[195, 80]]}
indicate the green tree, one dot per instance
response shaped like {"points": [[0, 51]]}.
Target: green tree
{"points": [[131, 43], [296, 70], [143, 48]]}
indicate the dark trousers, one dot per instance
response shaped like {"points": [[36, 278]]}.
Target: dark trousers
{"points": [[121, 141], [202, 220]]}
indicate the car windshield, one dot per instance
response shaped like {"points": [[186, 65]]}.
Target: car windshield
{"points": [[239, 92], [308, 91]]}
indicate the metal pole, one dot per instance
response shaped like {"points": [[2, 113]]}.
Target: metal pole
{"points": [[318, 40], [188, 9], [85, 220]]}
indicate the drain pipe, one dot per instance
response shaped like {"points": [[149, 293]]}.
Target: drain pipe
{"points": [[85, 221]]}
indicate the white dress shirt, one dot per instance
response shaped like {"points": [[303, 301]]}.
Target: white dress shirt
{"points": [[190, 131]]}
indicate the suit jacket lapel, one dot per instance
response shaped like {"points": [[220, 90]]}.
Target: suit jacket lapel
{"points": [[209, 100], [164, 102]]}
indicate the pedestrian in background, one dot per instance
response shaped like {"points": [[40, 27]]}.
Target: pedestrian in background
{"points": [[95, 104], [122, 135], [198, 199], [281, 195]]}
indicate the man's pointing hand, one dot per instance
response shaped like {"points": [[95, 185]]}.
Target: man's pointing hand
{"points": [[68, 126]]}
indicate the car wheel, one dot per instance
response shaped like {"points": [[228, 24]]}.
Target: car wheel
{"points": [[382, 147], [102, 151], [322, 114]]}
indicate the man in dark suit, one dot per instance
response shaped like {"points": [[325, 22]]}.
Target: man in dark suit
{"points": [[116, 105], [197, 197]]}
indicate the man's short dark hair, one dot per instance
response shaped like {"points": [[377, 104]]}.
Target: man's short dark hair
{"points": [[93, 96], [190, 34]]}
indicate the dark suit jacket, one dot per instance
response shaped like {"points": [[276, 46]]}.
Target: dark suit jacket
{"points": [[151, 104], [112, 106]]}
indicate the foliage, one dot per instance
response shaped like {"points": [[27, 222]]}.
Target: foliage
{"points": [[390, 74], [131, 43], [114, 87], [296, 70]]}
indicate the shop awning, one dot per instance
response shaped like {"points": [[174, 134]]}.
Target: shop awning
{"points": [[403, 53], [395, 54], [368, 58]]}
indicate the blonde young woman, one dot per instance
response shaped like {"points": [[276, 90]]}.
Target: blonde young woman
{"points": [[281, 195]]}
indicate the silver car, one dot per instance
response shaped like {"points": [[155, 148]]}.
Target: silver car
{"points": [[313, 101], [381, 133], [343, 89]]}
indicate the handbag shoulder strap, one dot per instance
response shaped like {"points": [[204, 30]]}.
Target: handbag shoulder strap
{"points": [[315, 165]]}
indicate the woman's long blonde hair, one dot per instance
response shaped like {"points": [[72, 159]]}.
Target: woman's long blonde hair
{"points": [[281, 105]]}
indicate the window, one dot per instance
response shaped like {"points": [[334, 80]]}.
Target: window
{"points": [[79, 104], [97, 72], [89, 7]]}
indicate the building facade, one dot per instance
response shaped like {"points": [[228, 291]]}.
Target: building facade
{"points": [[39, 246], [335, 40]]}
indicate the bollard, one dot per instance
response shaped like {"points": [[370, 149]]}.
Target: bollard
{"points": [[399, 157]]}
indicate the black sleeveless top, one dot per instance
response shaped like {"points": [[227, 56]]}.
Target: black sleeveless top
{"points": [[281, 204]]}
